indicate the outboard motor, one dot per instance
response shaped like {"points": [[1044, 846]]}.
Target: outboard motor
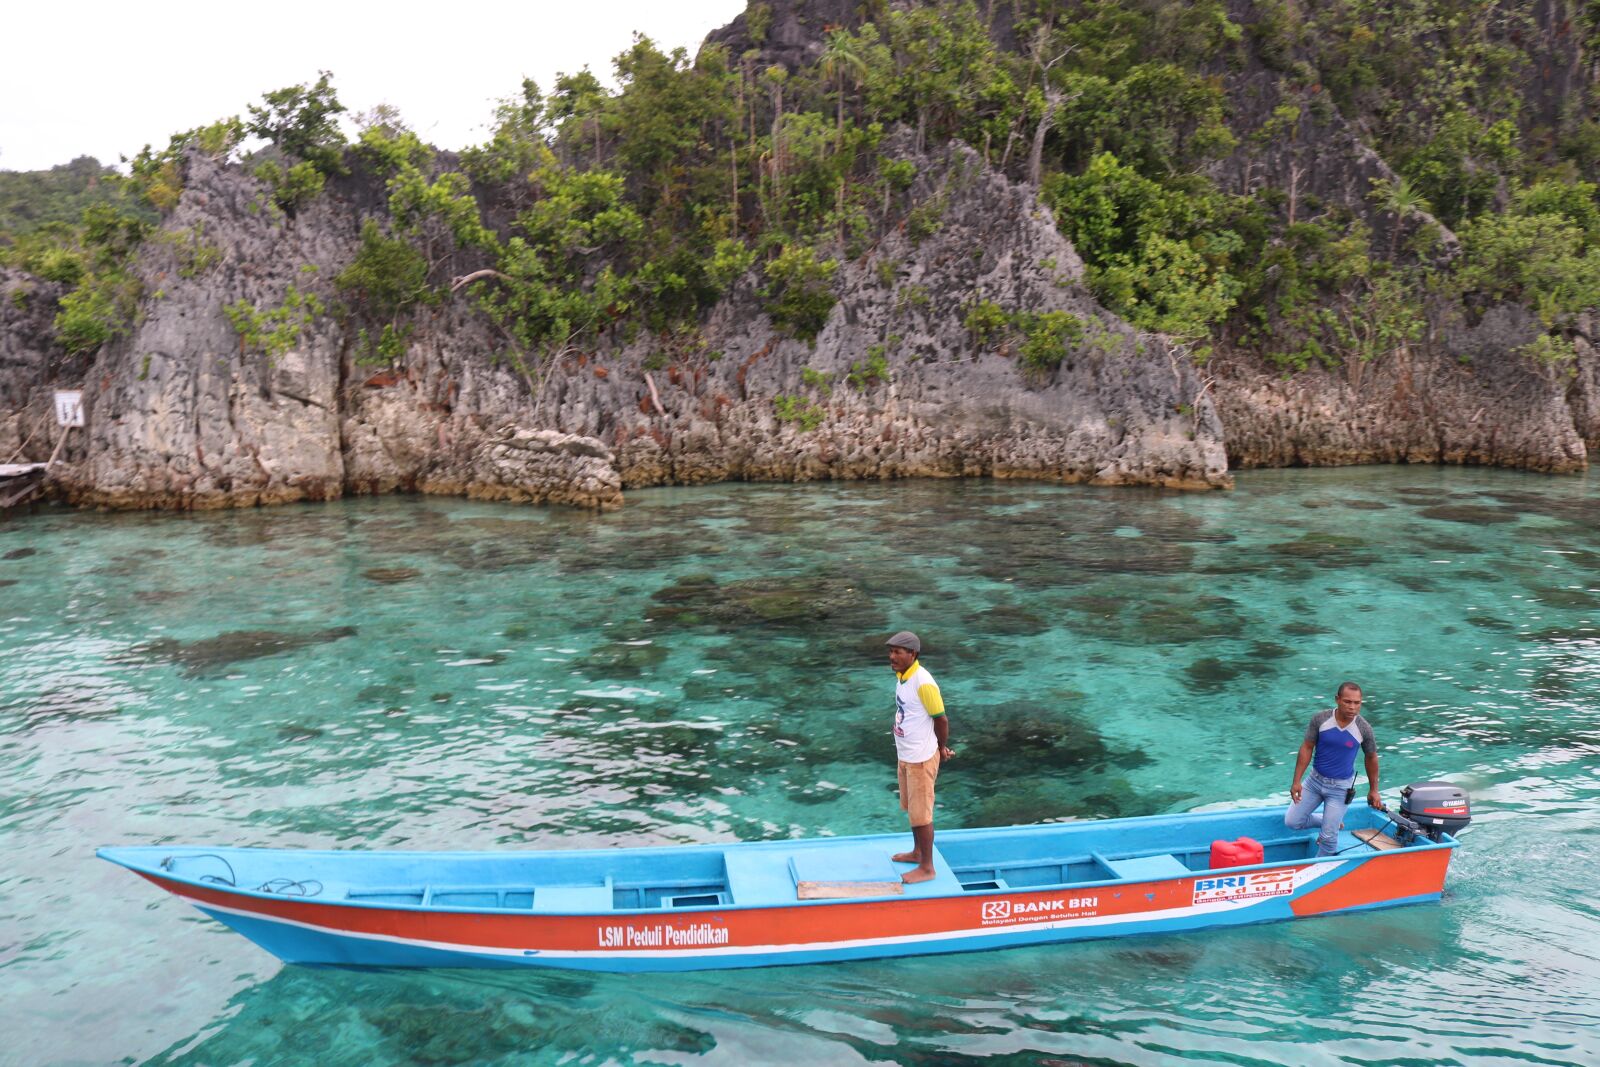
{"points": [[1428, 809]]}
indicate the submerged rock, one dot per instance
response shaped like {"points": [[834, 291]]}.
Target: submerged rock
{"points": [[1006, 742], [1301, 628], [1008, 620], [791, 602], [1210, 675], [622, 659], [1326, 550], [213, 654], [391, 575], [1473, 514]]}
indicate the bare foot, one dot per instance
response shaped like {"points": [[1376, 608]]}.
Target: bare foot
{"points": [[921, 874], [906, 857]]}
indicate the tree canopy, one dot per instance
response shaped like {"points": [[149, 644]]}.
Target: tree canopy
{"points": [[594, 210]]}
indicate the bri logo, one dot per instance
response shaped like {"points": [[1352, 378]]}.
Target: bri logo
{"points": [[1243, 886], [1003, 910]]}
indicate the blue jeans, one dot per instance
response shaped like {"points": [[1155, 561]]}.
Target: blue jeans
{"points": [[1328, 794]]}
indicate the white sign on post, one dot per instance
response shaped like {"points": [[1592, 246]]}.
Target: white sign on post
{"points": [[69, 407]]}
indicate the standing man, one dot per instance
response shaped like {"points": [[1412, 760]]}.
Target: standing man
{"points": [[922, 743], [1330, 748]]}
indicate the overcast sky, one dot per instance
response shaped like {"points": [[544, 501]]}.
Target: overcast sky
{"points": [[104, 79]]}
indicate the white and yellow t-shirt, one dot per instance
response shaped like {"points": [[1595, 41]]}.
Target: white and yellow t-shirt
{"points": [[916, 702]]}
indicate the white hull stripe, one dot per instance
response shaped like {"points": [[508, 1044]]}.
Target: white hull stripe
{"points": [[1302, 877]]}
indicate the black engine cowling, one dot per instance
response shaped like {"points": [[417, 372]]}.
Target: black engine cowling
{"points": [[1436, 807]]}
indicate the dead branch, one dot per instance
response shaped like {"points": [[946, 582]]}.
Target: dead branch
{"points": [[477, 275]]}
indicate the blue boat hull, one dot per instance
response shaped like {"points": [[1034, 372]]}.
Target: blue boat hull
{"points": [[747, 905]]}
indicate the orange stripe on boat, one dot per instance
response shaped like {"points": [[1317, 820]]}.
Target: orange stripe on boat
{"points": [[757, 927], [1392, 876]]}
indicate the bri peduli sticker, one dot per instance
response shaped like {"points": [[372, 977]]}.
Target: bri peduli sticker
{"points": [[1243, 886]]}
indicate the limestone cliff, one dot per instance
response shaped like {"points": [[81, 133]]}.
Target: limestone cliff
{"points": [[1458, 401], [183, 414], [186, 410]]}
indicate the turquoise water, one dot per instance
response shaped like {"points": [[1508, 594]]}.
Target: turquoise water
{"points": [[706, 665]]}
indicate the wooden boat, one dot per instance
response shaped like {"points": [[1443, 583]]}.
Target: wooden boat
{"points": [[782, 902]]}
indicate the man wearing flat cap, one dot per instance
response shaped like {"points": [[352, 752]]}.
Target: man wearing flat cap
{"points": [[922, 743]]}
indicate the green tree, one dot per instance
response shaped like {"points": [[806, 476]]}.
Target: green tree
{"points": [[576, 110], [517, 147], [1399, 198], [1541, 260], [564, 274], [799, 290], [386, 280], [842, 59], [1155, 255], [300, 121]]}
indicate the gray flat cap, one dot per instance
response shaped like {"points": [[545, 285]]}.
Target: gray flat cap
{"points": [[905, 639]]}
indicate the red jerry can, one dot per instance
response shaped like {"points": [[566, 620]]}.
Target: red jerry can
{"points": [[1240, 853]]}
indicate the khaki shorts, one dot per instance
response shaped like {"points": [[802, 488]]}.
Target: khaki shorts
{"points": [[916, 789]]}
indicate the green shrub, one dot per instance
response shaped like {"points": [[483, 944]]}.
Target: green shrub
{"points": [[388, 276], [384, 350], [195, 255], [798, 409], [1155, 255], [799, 292], [925, 220], [56, 264], [986, 323], [821, 381], [1537, 259], [1549, 349], [898, 174], [273, 331], [292, 187], [1046, 337], [89, 317], [867, 372], [730, 260]]}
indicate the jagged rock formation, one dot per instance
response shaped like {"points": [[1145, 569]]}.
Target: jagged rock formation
{"points": [[27, 342], [1123, 410], [182, 414], [1453, 397], [1583, 396], [1475, 408], [1456, 396]]}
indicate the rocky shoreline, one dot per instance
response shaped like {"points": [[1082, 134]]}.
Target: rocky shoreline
{"points": [[181, 415]]}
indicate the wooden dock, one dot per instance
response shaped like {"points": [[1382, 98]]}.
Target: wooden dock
{"points": [[20, 483]]}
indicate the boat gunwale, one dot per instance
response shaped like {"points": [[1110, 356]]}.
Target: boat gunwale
{"points": [[962, 892]]}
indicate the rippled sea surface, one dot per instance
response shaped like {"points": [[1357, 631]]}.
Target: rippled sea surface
{"points": [[706, 665]]}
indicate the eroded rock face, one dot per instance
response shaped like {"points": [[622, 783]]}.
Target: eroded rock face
{"points": [[1121, 408], [30, 363], [182, 414], [185, 414], [1471, 403], [1584, 394]]}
